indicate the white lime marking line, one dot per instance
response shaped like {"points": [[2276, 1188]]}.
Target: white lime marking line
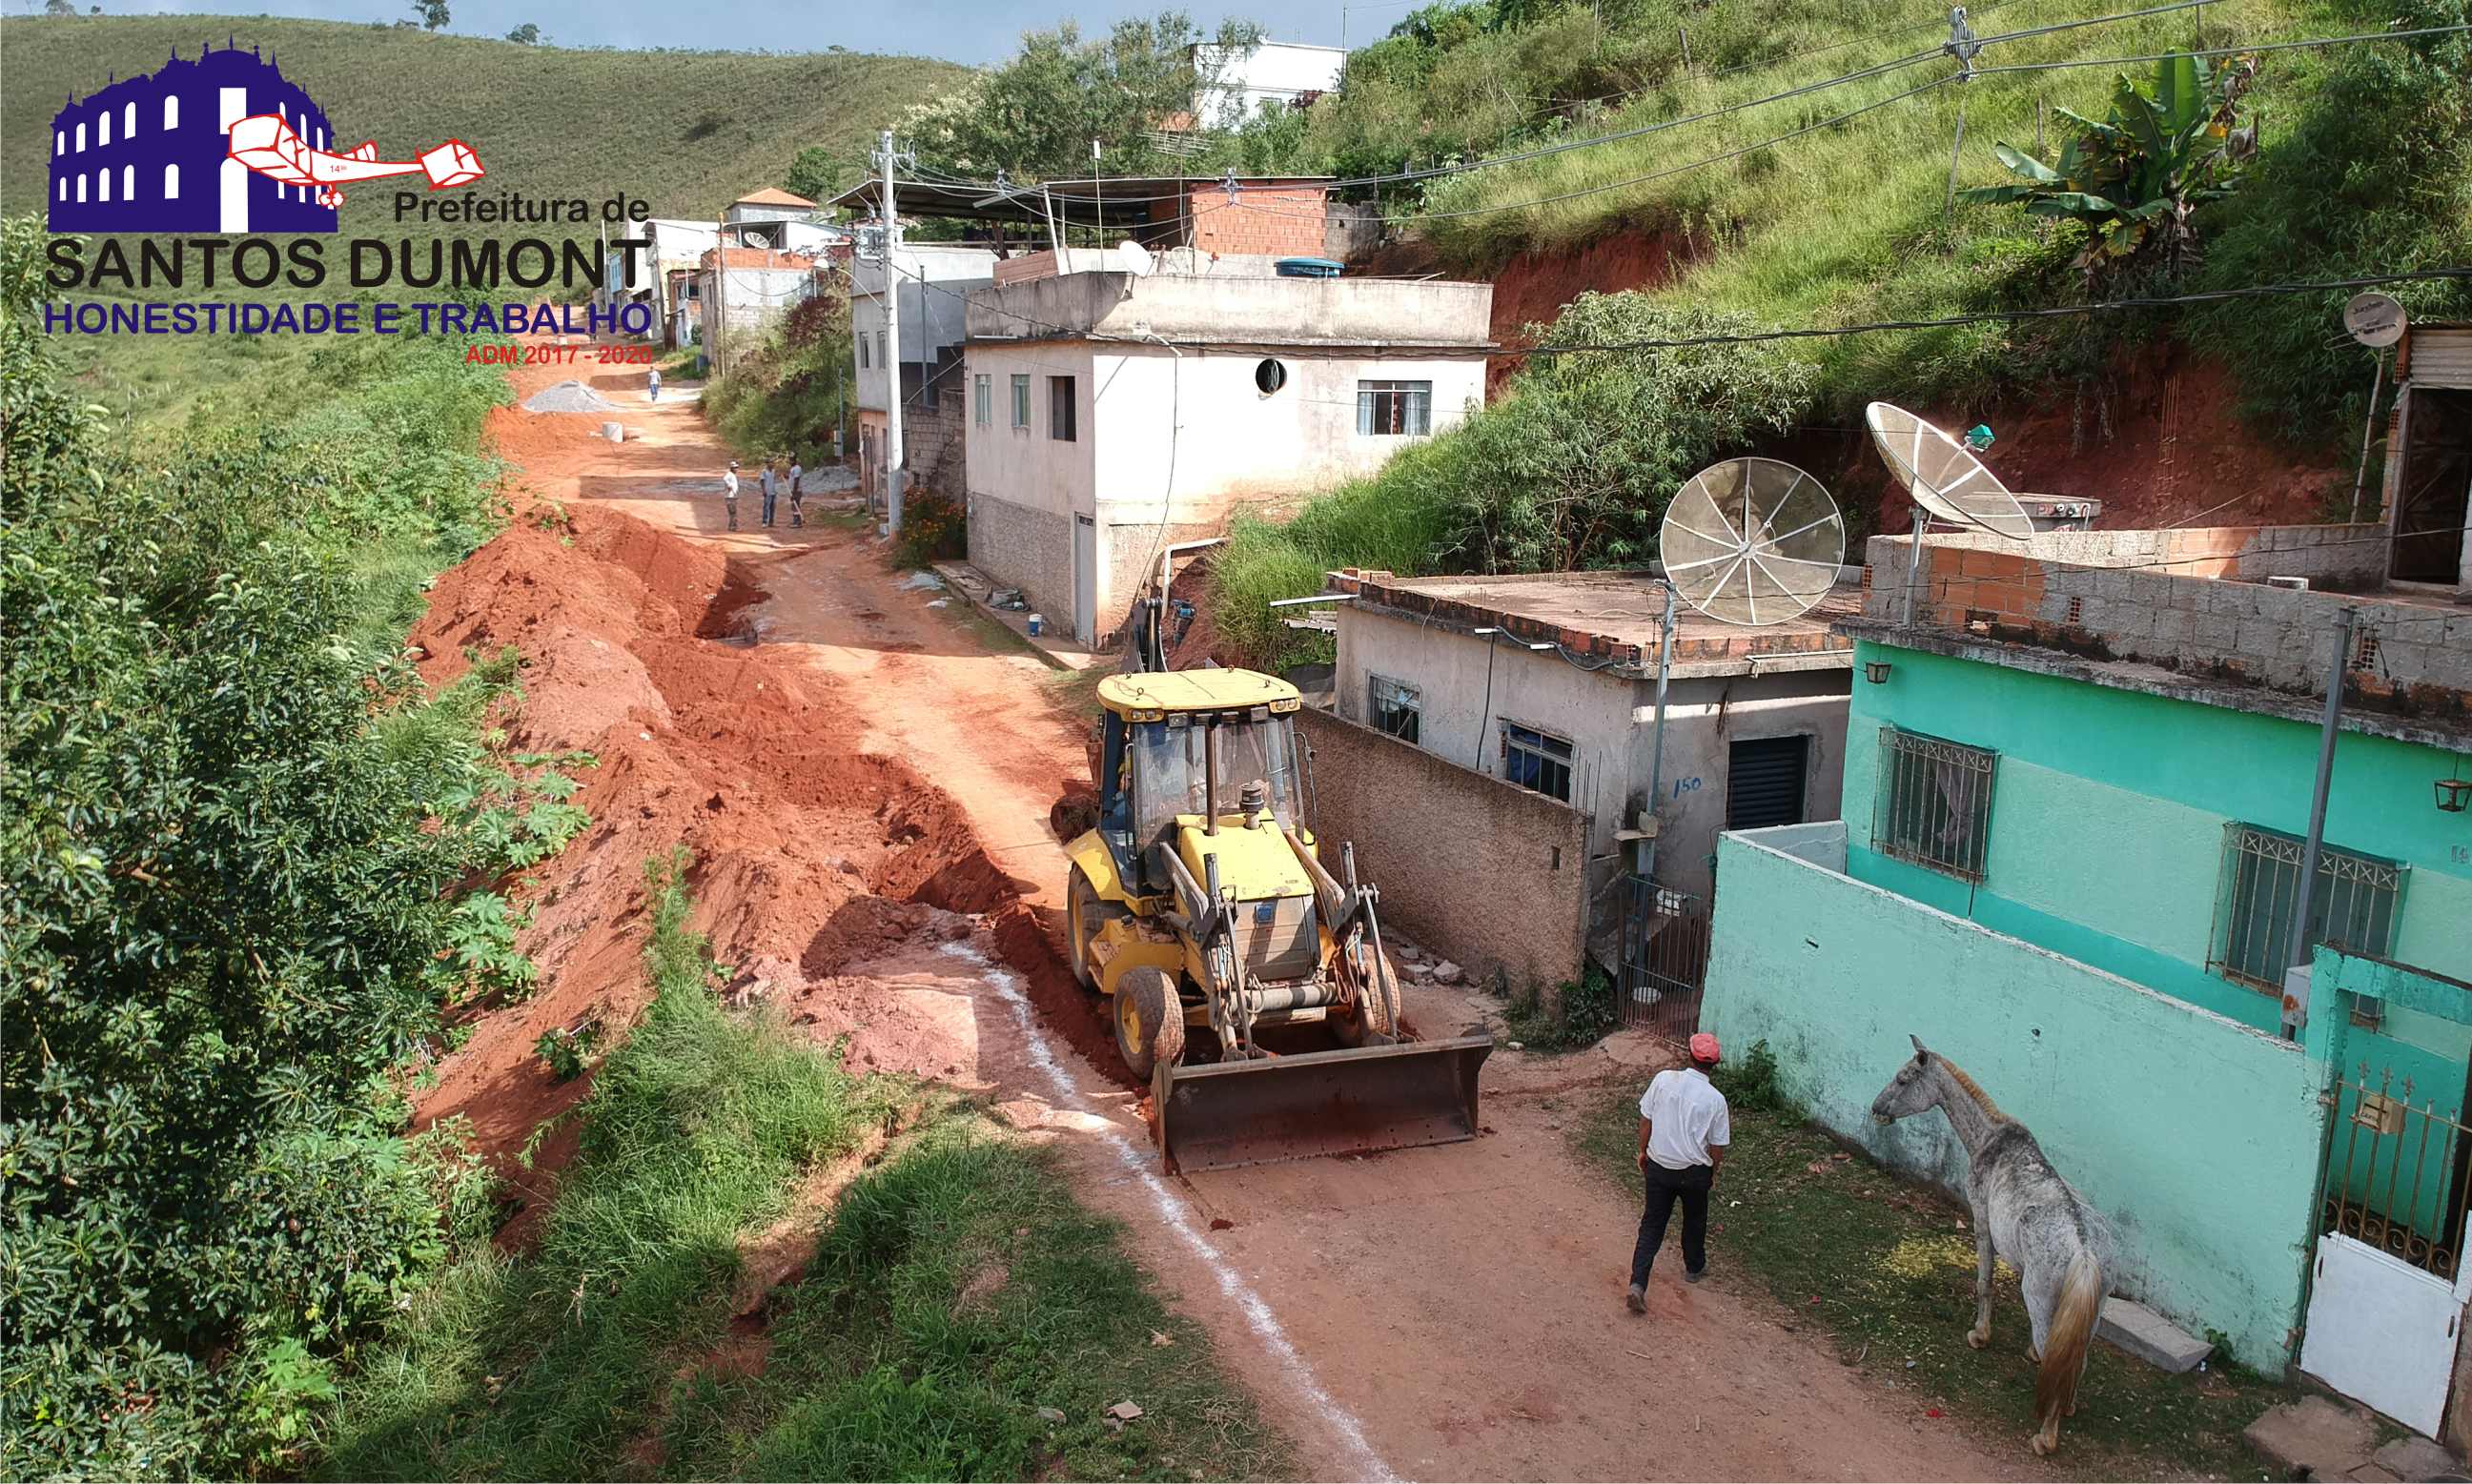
{"points": [[1174, 1214]]}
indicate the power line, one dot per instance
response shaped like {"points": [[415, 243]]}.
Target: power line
{"points": [[2007, 315], [1564, 146], [2229, 51]]}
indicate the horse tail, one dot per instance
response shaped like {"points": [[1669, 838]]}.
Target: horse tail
{"points": [[2082, 1291]]}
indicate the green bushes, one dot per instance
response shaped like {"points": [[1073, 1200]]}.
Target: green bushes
{"points": [[238, 857]]}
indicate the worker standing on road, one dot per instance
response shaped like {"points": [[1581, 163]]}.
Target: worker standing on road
{"points": [[729, 492], [772, 491], [655, 382], [797, 493], [1684, 1129]]}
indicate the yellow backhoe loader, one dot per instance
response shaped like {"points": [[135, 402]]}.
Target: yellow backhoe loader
{"points": [[1200, 902]]}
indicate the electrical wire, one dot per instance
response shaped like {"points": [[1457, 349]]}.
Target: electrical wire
{"points": [[2227, 51], [2005, 316], [1564, 146]]}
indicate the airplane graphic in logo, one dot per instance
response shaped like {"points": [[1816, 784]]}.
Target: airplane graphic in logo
{"points": [[266, 144]]}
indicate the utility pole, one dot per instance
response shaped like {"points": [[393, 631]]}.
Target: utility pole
{"points": [[2295, 1010], [892, 248]]}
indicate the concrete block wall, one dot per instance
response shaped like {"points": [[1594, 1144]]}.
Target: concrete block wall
{"points": [[2197, 1137], [1486, 873], [2419, 662], [1028, 549], [2346, 556]]}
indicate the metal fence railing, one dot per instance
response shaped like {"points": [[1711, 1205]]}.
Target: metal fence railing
{"points": [[2396, 1171], [1934, 804], [1664, 958]]}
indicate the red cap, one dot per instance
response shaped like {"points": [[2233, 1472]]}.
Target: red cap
{"points": [[1705, 1047]]}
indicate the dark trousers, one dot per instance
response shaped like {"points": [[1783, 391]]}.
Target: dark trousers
{"points": [[1665, 1187]]}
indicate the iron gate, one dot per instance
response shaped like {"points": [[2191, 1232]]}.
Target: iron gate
{"points": [[1664, 958], [2399, 1172]]}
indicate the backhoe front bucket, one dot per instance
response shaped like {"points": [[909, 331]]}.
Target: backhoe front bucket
{"points": [[1222, 1115]]}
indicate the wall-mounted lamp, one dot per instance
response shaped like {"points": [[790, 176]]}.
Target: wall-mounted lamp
{"points": [[1876, 671], [2453, 795]]}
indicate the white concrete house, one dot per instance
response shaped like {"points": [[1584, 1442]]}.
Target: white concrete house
{"points": [[1274, 71], [936, 279], [1563, 700], [1113, 415]]}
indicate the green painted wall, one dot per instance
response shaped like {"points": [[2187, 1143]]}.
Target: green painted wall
{"points": [[2197, 1136], [2109, 813]]}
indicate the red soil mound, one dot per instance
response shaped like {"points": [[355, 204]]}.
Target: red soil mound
{"points": [[811, 858]]}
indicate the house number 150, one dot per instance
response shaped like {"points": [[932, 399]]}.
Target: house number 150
{"points": [[1683, 786]]}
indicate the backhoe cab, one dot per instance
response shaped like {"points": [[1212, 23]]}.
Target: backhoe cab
{"points": [[1200, 903]]}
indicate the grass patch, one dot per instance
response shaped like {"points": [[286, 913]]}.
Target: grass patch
{"points": [[1885, 1271], [957, 1292], [548, 1367]]}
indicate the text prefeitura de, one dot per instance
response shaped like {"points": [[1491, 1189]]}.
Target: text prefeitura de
{"points": [[347, 318]]}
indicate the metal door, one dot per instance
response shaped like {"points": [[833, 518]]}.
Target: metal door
{"points": [[1085, 578], [1664, 958], [2382, 1331]]}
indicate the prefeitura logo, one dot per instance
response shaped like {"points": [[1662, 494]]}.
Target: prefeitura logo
{"points": [[222, 144]]}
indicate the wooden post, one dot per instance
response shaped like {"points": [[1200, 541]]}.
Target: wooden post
{"points": [[1948, 213]]}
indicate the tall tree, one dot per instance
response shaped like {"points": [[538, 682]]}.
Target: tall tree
{"points": [[1036, 116]]}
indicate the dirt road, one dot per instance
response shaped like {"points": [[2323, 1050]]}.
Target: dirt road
{"points": [[1447, 1313]]}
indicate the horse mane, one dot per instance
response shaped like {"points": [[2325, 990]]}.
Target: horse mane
{"points": [[1973, 1090]]}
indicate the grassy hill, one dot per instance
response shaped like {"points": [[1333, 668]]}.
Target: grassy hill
{"points": [[688, 131]]}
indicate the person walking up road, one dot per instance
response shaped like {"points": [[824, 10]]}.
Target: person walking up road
{"points": [[729, 492], [772, 491], [1684, 1130], [655, 383], [797, 494]]}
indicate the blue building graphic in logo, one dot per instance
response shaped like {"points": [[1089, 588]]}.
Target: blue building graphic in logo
{"points": [[152, 154]]}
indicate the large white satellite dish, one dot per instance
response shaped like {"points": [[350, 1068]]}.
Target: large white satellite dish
{"points": [[1132, 257], [1753, 541], [1943, 476]]}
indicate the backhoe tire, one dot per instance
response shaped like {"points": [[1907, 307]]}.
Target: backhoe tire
{"points": [[1357, 1024], [1085, 912], [1150, 1021]]}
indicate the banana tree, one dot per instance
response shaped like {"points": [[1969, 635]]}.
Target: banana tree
{"points": [[2134, 178]]}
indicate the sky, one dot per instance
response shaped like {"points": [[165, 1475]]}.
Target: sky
{"points": [[976, 32]]}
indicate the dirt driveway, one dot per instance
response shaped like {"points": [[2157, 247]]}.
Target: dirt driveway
{"points": [[1446, 1314]]}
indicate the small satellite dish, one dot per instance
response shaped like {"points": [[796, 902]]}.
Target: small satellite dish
{"points": [[1753, 541], [1943, 476], [2375, 319], [1133, 258]]}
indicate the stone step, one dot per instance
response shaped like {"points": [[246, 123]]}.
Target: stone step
{"points": [[2149, 1336]]}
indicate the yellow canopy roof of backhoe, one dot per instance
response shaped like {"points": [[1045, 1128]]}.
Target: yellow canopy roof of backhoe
{"points": [[1194, 690]]}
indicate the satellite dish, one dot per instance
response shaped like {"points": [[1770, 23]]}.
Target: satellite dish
{"points": [[1943, 476], [1753, 541], [1133, 258], [2374, 319]]}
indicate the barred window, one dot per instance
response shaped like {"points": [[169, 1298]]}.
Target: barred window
{"points": [[985, 400], [1397, 705], [1536, 760], [1021, 401], [2353, 907], [1394, 408], [1934, 803]]}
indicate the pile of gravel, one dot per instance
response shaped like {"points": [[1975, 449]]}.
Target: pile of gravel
{"points": [[568, 397]]}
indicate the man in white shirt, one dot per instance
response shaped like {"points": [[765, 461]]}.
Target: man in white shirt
{"points": [[729, 492], [1684, 1130]]}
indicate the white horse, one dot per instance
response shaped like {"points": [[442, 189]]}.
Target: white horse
{"points": [[2023, 1211]]}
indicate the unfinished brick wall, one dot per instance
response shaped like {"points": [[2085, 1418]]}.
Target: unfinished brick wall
{"points": [[1263, 220], [2415, 661]]}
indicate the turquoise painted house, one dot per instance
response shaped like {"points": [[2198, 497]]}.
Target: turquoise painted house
{"points": [[2077, 775]]}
